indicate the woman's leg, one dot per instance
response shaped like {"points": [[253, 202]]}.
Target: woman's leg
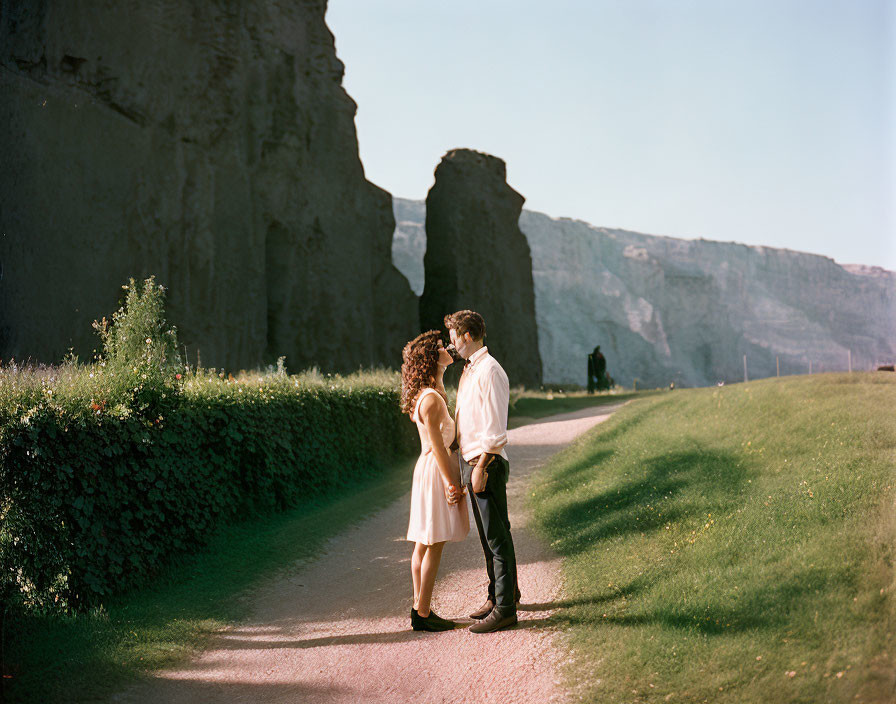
{"points": [[428, 569], [416, 562]]}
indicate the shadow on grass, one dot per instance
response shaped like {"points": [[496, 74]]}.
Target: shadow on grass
{"points": [[596, 440], [678, 487], [627, 424], [631, 589], [767, 606], [642, 505]]}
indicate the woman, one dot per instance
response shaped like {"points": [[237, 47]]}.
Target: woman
{"points": [[433, 520]]}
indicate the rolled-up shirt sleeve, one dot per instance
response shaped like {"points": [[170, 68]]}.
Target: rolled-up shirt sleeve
{"points": [[496, 397]]}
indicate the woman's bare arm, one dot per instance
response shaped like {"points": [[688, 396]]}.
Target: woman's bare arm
{"points": [[431, 409]]}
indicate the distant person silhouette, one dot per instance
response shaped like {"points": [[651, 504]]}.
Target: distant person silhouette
{"points": [[597, 371], [591, 379]]}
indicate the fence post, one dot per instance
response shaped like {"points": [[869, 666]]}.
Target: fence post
{"points": [[777, 366], [810, 366], [849, 356], [745, 369]]}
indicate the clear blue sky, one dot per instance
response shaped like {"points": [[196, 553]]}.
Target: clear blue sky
{"points": [[759, 121]]}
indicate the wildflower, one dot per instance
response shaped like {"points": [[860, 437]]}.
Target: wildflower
{"points": [[177, 376], [148, 340]]}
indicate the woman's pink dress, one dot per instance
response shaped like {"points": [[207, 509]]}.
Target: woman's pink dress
{"points": [[433, 519]]}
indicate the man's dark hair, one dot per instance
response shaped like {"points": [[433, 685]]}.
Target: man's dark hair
{"points": [[466, 321]]}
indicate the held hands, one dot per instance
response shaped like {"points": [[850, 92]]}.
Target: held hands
{"points": [[478, 480], [454, 494]]}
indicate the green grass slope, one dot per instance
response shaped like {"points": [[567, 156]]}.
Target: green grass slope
{"points": [[731, 544]]}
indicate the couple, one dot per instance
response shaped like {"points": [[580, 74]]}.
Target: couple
{"points": [[442, 478]]}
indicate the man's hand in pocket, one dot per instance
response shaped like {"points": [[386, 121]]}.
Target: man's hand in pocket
{"points": [[479, 477]]}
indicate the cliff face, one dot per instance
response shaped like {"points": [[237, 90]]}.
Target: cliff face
{"points": [[666, 309], [212, 146], [476, 258]]}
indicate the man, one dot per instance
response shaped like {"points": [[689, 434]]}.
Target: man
{"points": [[591, 377], [600, 369], [481, 420]]}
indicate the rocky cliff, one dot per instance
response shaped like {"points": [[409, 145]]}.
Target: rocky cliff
{"points": [[211, 145], [666, 309], [477, 258]]}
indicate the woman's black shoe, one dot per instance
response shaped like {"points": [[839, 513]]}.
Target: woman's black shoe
{"points": [[434, 616], [431, 623]]}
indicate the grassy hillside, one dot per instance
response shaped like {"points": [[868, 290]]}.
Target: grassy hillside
{"points": [[732, 544]]}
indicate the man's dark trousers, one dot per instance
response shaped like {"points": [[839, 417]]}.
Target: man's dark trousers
{"points": [[493, 524]]}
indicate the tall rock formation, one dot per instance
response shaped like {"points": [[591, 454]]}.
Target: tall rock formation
{"points": [[211, 145], [477, 258], [666, 309]]}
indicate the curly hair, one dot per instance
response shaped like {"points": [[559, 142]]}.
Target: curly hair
{"points": [[420, 359]]}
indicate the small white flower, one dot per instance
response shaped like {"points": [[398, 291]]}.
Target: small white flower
{"points": [[148, 340]]}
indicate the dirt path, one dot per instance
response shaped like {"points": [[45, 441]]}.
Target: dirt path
{"points": [[338, 629]]}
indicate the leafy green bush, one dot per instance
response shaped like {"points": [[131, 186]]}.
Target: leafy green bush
{"points": [[108, 470], [138, 333]]}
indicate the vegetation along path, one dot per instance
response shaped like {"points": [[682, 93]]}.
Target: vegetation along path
{"points": [[337, 629], [733, 545]]}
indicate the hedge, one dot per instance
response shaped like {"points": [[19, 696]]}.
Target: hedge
{"points": [[96, 503], [108, 470]]}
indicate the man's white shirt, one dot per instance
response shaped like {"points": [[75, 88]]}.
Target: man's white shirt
{"points": [[482, 401]]}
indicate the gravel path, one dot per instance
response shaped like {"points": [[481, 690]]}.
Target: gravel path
{"points": [[337, 630]]}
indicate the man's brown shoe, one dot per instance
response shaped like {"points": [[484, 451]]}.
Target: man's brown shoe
{"points": [[493, 622], [483, 610], [487, 607]]}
